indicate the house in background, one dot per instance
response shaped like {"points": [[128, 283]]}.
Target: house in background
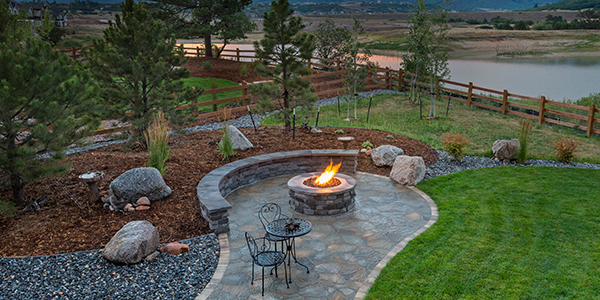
{"points": [[35, 12]]}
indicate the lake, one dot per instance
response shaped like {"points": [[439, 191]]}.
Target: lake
{"points": [[555, 78]]}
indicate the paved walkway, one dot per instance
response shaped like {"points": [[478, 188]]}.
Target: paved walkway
{"points": [[341, 251]]}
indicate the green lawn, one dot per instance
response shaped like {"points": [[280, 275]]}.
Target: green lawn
{"points": [[503, 233], [397, 114], [205, 83]]}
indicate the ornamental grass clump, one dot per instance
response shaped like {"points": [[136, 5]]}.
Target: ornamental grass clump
{"points": [[157, 139], [455, 144], [226, 145], [526, 127], [565, 149]]}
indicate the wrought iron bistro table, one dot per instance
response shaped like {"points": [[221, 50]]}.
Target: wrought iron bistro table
{"points": [[277, 228]]}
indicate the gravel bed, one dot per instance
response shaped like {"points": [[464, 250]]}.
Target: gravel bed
{"points": [[86, 275], [445, 165]]}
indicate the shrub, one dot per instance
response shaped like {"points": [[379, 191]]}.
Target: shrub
{"points": [[244, 70], [157, 137], [526, 127], [389, 136], [339, 131], [565, 149], [7, 208], [226, 146], [207, 64], [367, 144], [455, 144], [485, 27]]}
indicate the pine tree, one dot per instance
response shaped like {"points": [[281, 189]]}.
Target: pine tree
{"points": [[280, 45], [204, 19], [137, 65], [46, 104]]}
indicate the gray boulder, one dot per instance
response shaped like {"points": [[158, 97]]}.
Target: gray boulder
{"points": [[239, 141], [408, 170], [385, 155], [505, 149], [136, 183], [132, 243]]}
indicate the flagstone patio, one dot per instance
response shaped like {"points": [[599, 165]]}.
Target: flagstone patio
{"points": [[344, 253]]}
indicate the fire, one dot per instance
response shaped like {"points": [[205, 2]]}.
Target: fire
{"points": [[329, 173]]}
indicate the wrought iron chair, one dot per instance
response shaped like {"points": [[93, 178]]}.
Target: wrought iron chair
{"points": [[267, 214], [263, 256]]}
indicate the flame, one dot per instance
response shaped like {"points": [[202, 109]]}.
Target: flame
{"points": [[329, 173]]}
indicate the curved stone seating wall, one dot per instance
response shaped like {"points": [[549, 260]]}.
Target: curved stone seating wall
{"points": [[213, 187]]}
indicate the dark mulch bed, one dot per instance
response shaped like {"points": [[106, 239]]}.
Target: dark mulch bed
{"points": [[62, 227]]}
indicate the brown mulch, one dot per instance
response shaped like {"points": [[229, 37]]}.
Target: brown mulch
{"points": [[62, 227]]}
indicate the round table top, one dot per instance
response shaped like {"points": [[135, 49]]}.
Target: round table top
{"points": [[277, 228]]}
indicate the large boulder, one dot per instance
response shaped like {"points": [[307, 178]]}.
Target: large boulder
{"points": [[385, 155], [137, 183], [239, 141], [505, 149], [408, 170], [132, 243]]}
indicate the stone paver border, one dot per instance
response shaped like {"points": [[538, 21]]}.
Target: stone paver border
{"points": [[221, 268], [213, 187]]}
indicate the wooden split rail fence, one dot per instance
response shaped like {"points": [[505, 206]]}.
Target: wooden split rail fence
{"points": [[327, 79]]}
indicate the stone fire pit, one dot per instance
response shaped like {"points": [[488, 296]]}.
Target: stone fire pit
{"points": [[309, 200]]}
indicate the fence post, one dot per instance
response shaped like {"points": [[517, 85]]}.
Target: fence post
{"points": [[237, 53], [310, 63], [505, 102], [400, 79], [245, 93], [369, 76], [197, 51], [542, 105], [590, 126], [317, 81], [74, 53], [470, 95], [388, 81], [337, 64]]}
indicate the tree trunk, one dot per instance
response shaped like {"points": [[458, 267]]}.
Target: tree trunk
{"points": [[208, 46], [17, 187]]}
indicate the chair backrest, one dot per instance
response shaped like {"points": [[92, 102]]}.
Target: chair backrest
{"points": [[269, 213], [263, 245]]}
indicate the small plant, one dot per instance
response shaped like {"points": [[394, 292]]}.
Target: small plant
{"points": [[389, 136], [226, 146], [207, 64], [157, 137], [367, 144], [244, 70], [455, 144], [339, 131], [565, 149], [526, 127], [214, 95], [7, 208]]}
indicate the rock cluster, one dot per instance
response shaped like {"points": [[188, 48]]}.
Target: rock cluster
{"points": [[506, 150], [135, 190]]}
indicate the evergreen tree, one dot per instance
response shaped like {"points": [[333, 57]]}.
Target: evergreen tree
{"points": [[137, 64], [280, 45], [204, 19], [46, 104]]}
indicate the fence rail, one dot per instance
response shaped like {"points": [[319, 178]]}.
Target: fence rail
{"points": [[327, 79]]}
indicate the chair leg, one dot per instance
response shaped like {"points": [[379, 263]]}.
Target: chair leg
{"points": [[252, 282], [263, 281], [285, 270]]}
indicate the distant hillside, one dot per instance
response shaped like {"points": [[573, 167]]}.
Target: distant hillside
{"points": [[458, 5], [569, 5]]}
